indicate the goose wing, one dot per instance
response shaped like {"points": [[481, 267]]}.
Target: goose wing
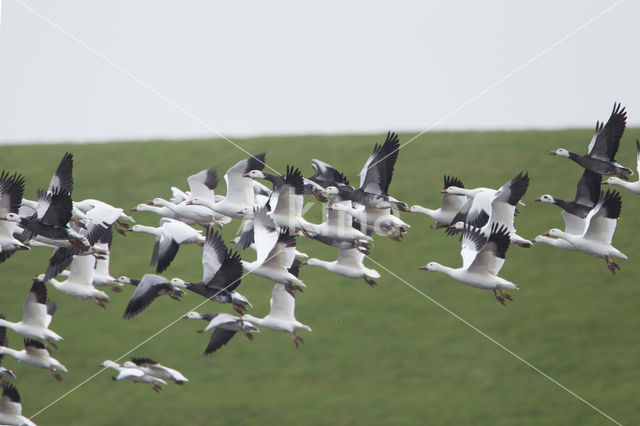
{"points": [[246, 237], [11, 191], [600, 223], [282, 303], [472, 242], [81, 270], [606, 140], [503, 206], [326, 175], [226, 264], [285, 193], [63, 177], [265, 233], [34, 311], [572, 224], [10, 401], [588, 189], [213, 255], [36, 348], [145, 293], [54, 207], [350, 257], [284, 252], [203, 183], [239, 187], [219, 338], [377, 172], [490, 258], [450, 202]]}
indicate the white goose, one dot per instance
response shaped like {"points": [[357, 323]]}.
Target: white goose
{"points": [[349, 264], [152, 368], [482, 259], [79, 283], [36, 316], [572, 225], [451, 205], [169, 235], [193, 214], [240, 189], [134, 374], [378, 220], [631, 186], [35, 353], [600, 226], [281, 317], [11, 408], [275, 252]]}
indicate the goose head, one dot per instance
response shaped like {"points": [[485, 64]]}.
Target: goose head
{"points": [[246, 212], [546, 198], [614, 181], [254, 174], [11, 217], [431, 266], [330, 190], [177, 282], [554, 232], [192, 315], [560, 152], [458, 226], [454, 190], [338, 207]]}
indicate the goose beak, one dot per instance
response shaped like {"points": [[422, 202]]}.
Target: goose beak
{"points": [[135, 209], [245, 174], [424, 268], [150, 202], [606, 182], [539, 199], [554, 152], [546, 234], [444, 191], [189, 203]]}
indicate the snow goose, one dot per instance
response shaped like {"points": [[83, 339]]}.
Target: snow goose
{"points": [[154, 369], [451, 205], [494, 206], [587, 196], [36, 353], [603, 147], [36, 316], [148, 289], [240, 192], [101, 275], [79, 282], [349, 264], [281, 317], [324, 175], [379, 220], [169, 235], [275, 252], [237, 241], [631, 186], [11, 408], [11, 190], [286, 202], [134, 374], [600, 225], [375, 178], [224, 327], [482, 259], [222, 273], [99, 211], [339, 231], [193, 214]]}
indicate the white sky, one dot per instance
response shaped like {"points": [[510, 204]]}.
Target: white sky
{"points": [[246, 68]]}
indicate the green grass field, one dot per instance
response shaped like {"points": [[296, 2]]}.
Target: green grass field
{"points": [[380, 356]]}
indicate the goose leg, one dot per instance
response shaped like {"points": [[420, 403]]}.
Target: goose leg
{"points": [[54, 374], [612, 266], [295, 339], [498, 298], [621, 175], [505, 295], [100, 302], [156, 387], [238, 308], [248, 335], [369, 281], [51, 343], [115, 288]]}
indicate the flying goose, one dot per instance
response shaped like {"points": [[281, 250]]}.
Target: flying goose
{"points": [[154, 369], [240, 189], [451, 205], [222, 273], [275, 252], [169, 235], [11, 190], [631, 186], [482, 259], [324, 175], [36, 316], [603, 147], [79, 283], [11, 408], [378, 220], [147, 290], [339, 230], [224, 327], [193, 214], [281, 317], [99, 211], [35, 353], [375, 178], [587, 196], [349, 264], [134, 374], [600, 225]]}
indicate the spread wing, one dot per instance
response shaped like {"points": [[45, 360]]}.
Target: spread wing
{"points": [[282, 303], [35, 306], [377, 172], [606, 140], [490, 258], [63, 177], [601, 221], [588, 189], [203, 183]]}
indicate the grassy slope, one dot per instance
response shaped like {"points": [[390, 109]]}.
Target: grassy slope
{"points": [[376, 356]]}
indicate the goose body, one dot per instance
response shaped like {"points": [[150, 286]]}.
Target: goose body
{"points": [[224, 327], [79, 283], [147, 290], [152, 368], [134, 374], [482, 259], [349, 264], [281, 316], [451, 205], [36, 354]]}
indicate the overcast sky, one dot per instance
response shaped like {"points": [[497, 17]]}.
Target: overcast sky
{"points": [[173, 69]]}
